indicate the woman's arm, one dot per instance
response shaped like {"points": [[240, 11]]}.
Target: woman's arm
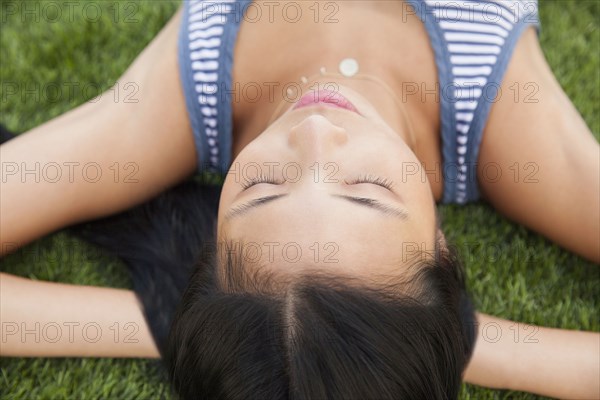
{"points": [[46, 319], [102, 157], [546, 361], [539, 164]]}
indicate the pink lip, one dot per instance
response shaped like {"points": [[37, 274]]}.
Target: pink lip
{"points": [[327, 97]]}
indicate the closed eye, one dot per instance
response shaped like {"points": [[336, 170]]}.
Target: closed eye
{"points": [[248, 183], [386, 183]]}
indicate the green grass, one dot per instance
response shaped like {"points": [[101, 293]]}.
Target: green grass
{"points": [[512, 273]]}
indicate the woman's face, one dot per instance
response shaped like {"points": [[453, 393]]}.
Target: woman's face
{"points": [[328, 188]]}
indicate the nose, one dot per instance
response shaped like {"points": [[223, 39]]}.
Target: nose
{"points": [[316, 136]]}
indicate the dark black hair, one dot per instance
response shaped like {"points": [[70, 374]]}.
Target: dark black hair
{"points": [[321, 337]]}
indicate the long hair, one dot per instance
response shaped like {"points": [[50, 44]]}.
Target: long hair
{"points": [[322, 337]]}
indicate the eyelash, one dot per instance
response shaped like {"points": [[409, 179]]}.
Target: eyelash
{"points": [[260, 179], [361, 179], [372, 179]]}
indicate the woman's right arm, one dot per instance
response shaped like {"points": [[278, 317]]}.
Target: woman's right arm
{"points": [[546, 361], [102, 157]]}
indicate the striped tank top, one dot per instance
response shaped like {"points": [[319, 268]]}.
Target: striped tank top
{"points": [[472, 41]]}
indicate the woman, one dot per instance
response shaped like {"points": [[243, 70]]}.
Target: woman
{"points": [[319, 141]]}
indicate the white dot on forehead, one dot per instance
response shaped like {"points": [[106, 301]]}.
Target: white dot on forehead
{"points": [[349, 67]]}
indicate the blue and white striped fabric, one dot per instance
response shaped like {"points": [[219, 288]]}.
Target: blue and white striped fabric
{"points": [[472, 40], [206, 40]]}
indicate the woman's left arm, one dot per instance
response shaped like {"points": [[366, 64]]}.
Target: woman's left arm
{"points": [[539, 164], [546, 361]]}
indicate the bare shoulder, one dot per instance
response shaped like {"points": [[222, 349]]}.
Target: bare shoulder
{"points": [[539, 163], [137, 148]]}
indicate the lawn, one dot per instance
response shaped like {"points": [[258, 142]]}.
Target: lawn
{"points": [[65, 59]]}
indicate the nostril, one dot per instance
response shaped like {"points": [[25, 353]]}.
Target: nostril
{"points": [[317, 124], [317, 132], [313, 121]]}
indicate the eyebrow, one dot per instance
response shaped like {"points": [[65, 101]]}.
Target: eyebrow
{"points": [[363, 201]]}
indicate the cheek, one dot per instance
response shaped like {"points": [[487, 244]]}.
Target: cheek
{"points": [[227, 192], [420, 200], [410, 171], [230, 189]]}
